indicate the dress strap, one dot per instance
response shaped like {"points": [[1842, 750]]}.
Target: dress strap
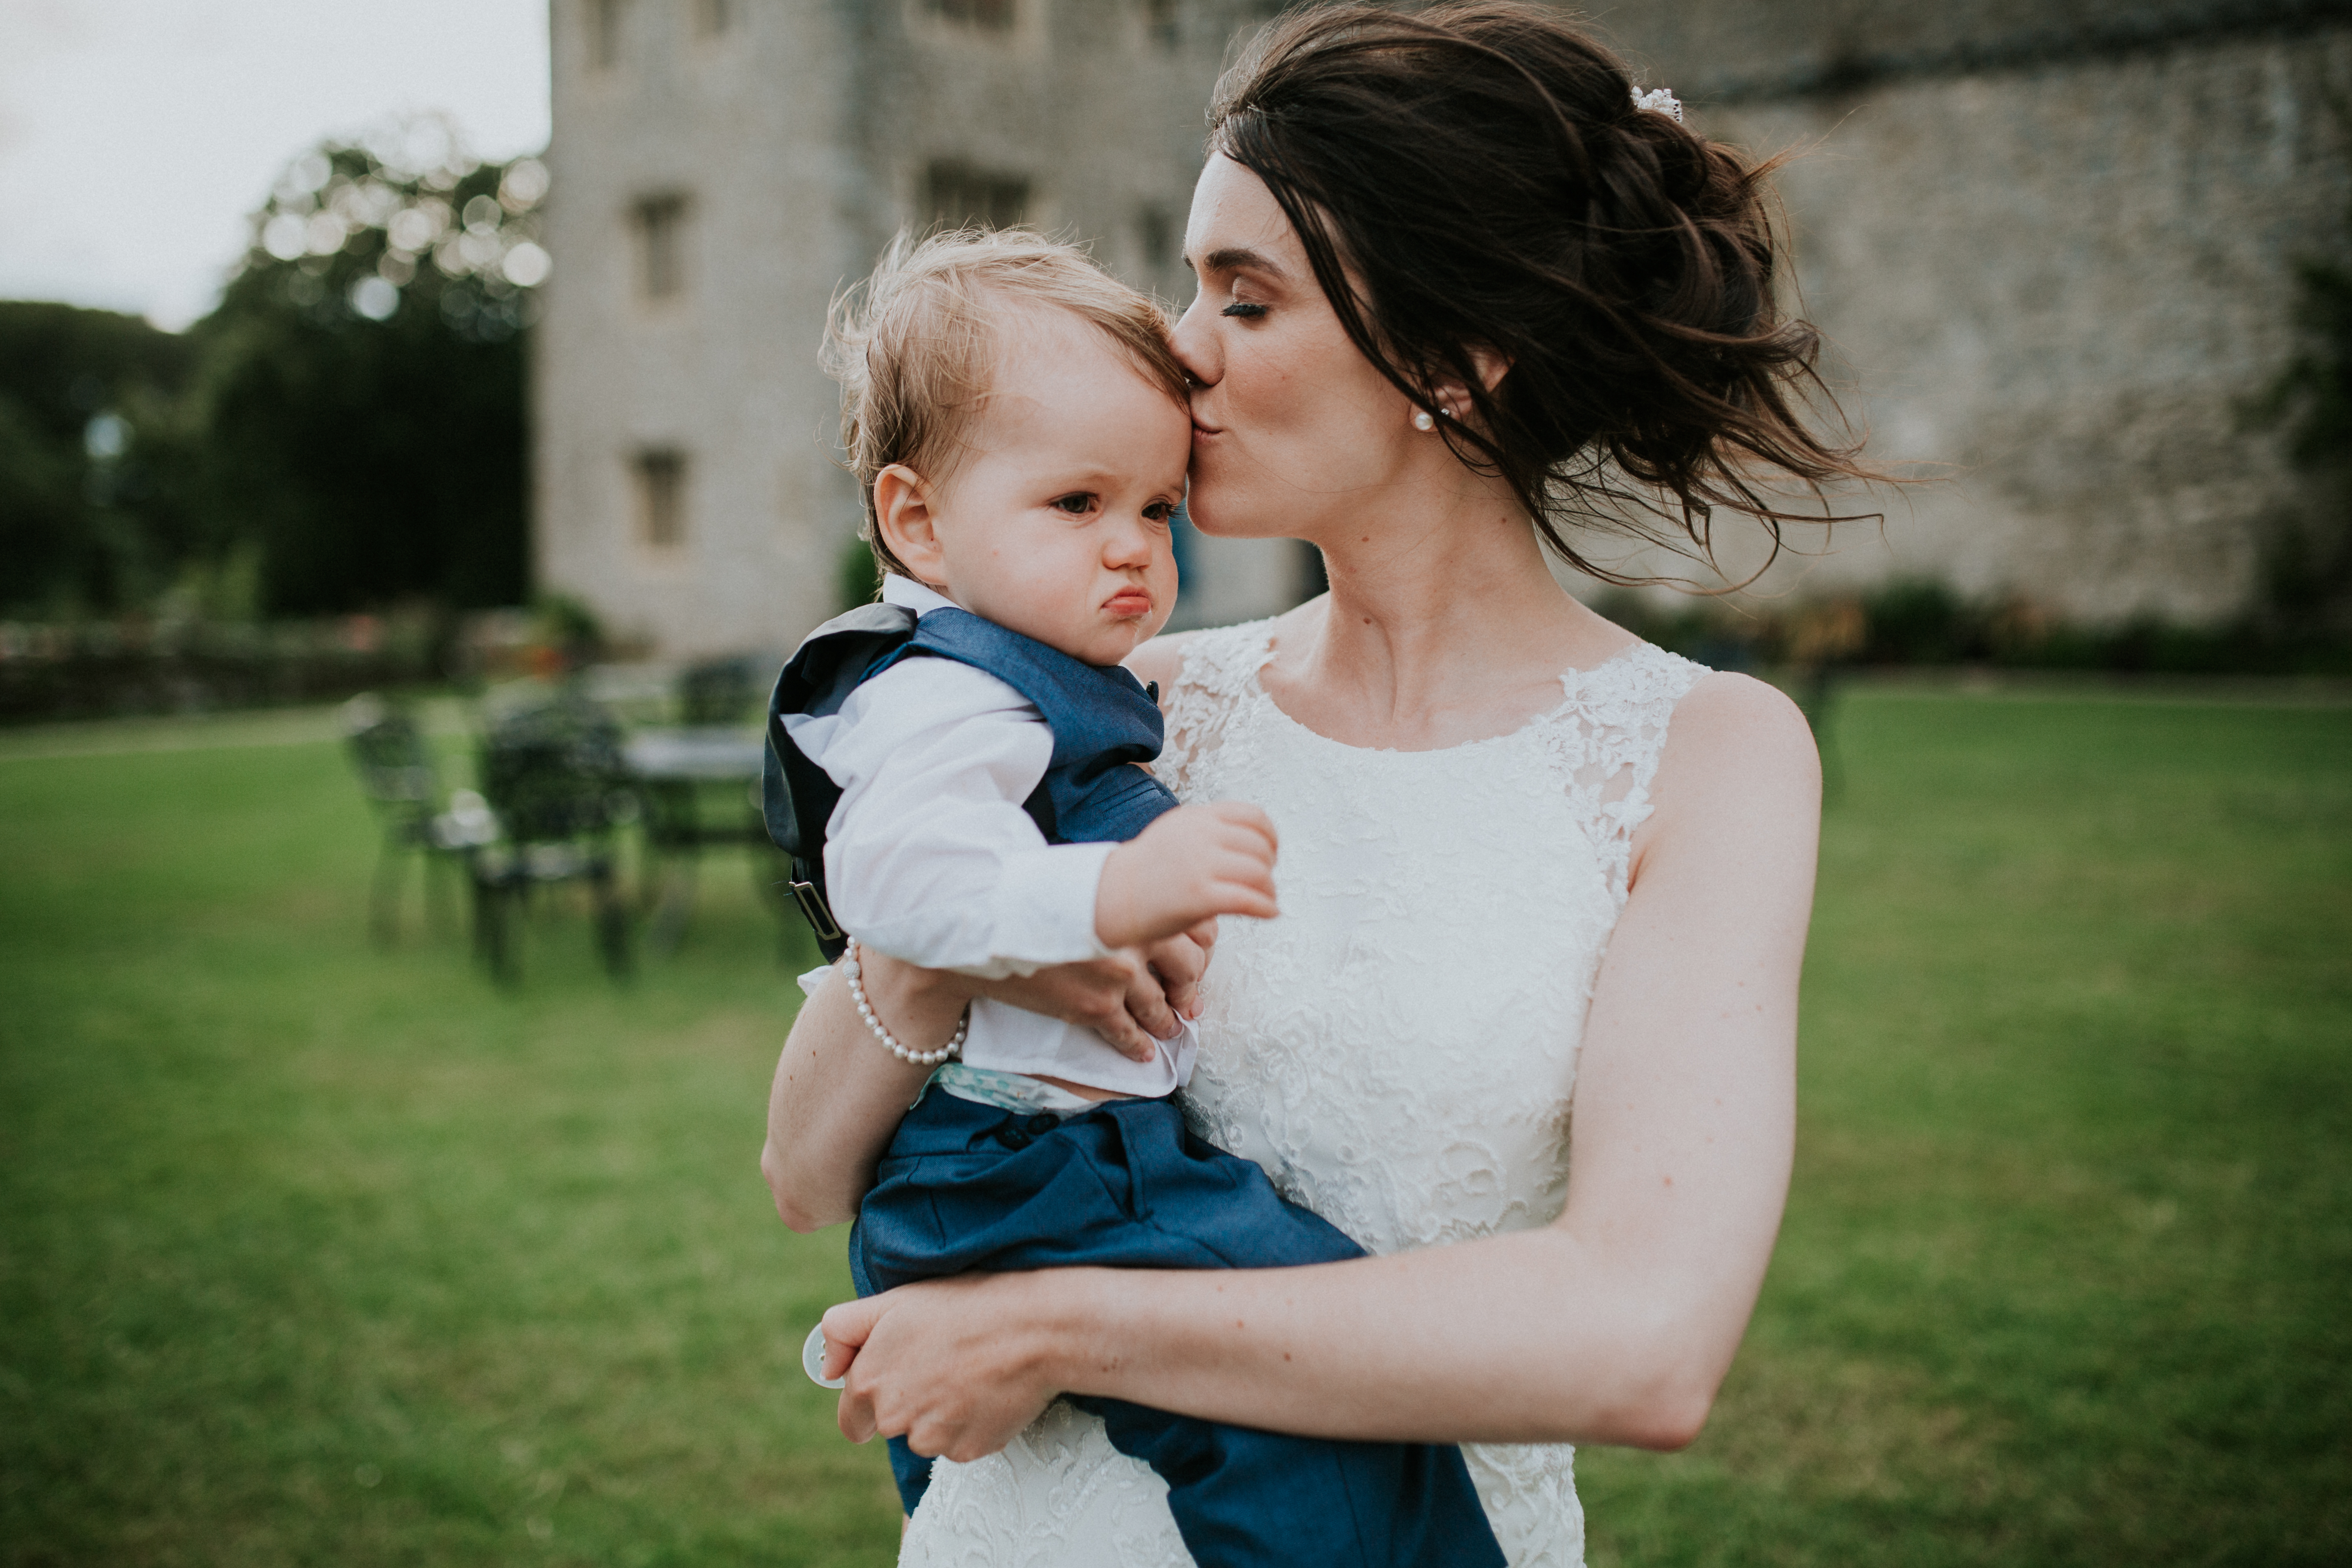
{"points": [[1606, 738]]}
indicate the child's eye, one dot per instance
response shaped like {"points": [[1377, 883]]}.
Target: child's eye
{"points": [[1077, 504], [1159, 512], [1244, 309]]}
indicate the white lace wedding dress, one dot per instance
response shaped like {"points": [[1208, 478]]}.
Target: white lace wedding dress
{"points": [[1398, 1050]]}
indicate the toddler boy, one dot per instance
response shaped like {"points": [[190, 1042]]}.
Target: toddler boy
{"points": [[959, 773]]}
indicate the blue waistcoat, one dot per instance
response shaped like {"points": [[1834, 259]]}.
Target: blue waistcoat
{"points": [[1105, 723]]}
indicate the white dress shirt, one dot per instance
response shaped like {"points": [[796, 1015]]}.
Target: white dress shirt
{"points": [[929, 857]]}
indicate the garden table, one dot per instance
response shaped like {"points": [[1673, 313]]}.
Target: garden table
{"points": [[686, 778]]}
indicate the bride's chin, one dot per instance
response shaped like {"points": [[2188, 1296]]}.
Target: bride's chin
{"points": [[1222, 514]]}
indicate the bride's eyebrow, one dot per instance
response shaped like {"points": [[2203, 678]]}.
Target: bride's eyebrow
{"points": [[1235, 259]]}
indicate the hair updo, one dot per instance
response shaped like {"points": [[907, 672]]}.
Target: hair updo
{"points": [[1477, 176]]}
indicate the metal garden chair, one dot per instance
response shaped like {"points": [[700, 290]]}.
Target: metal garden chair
{"points": [[396, 773], [556, 785]]}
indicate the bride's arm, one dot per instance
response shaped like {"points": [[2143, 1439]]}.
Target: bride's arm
{"points": [[838, 1094], [1614, 1324]]}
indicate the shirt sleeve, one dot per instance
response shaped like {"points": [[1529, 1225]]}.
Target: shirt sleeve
{"points": [[929, 857]]}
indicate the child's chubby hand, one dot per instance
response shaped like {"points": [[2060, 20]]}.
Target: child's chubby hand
{"points": [[1193, 864]]}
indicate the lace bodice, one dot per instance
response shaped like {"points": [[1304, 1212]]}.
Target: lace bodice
{"points": [[1398, 1050]]}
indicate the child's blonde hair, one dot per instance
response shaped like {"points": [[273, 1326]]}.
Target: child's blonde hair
{"points": [[915, 347]]}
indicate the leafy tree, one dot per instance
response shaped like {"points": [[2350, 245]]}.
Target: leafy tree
{"points": [[94, 459], [361, 383], [2309, 564], [345, 429]]}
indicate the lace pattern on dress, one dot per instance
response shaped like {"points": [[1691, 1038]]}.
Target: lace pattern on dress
{"points": [[1398, 1051], [1605, 736]]}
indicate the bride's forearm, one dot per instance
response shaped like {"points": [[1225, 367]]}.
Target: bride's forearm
{"points": [[837, 1094], [1519, 1338]]}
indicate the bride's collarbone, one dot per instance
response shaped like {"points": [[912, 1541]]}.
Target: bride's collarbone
{"points": [[1441, 716], [1495, 691]]}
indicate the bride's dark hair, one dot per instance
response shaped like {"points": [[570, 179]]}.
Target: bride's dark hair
{"points": [[1475, 176]]}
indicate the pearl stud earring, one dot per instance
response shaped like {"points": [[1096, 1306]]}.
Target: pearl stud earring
{"points": [[1421, 420]]}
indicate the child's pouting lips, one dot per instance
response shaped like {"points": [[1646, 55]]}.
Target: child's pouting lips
{"points": [[1128, 602]]}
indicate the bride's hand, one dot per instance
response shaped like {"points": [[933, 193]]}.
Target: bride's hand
{"points": [[956, 1366], [1131, 998]]}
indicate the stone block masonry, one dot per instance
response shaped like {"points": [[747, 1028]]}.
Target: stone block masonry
{"points": [[2052, 247]]}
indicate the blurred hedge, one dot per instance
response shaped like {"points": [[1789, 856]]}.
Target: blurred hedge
{"points": [[1922, 622]]}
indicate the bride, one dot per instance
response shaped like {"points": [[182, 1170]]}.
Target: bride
{"points": [[1525, 1028]]}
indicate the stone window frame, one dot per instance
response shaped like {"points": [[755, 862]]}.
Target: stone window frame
{"points": [[980, 16], [605, 26], [660, 230], [1163, 24], [1017, 26], [660, 490], [956, 193]]}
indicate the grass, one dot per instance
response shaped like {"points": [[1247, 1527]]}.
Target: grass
{"points": [[314, 1253], [2067, 1264], [311, 1253]]}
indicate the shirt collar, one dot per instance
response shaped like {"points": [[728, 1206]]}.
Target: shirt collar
{"points": [[906, 591]]}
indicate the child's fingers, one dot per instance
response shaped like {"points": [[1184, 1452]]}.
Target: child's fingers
{"points": [[1239, 847], [1241, 865], [1250, 902], [1243, 890], [1238, 892], [1242, 814]]}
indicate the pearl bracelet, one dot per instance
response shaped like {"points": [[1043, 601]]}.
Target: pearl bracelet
{"points": [[921, 1058]]}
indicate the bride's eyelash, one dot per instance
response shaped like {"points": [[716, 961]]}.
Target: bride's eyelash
{"points": [[1244, 309]]}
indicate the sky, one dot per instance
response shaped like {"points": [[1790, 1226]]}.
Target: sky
{"points": [[136, 135]]}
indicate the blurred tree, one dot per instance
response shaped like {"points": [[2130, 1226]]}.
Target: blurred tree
{"points": [[361, 385], [94, 460], [2308, 569]]}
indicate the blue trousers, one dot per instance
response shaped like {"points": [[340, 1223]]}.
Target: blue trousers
{"points": [[966, 1186]]}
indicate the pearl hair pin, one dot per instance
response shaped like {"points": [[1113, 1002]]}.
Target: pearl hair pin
{"points": [[855, 970]]}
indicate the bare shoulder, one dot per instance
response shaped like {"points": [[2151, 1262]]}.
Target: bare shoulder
{"points": [[1737, 752], [1728, 710]]}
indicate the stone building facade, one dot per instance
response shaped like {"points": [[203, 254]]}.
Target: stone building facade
{"points": [[2054, 246]]}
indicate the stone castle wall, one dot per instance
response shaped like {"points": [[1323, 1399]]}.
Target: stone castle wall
{"points": [[2052, 245], [2054, 248], [742, 129], [799, 138]]}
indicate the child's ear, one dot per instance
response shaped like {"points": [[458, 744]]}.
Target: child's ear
{"points": [[903, 516]]}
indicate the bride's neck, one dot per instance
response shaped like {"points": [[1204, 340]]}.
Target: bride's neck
{"points": [[1454, 623]]}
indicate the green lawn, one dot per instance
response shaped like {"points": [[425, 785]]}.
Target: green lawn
{"points": [[311, 1253]]}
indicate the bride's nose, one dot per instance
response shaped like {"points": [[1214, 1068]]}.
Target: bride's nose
{"points": [[1196, 347]]}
